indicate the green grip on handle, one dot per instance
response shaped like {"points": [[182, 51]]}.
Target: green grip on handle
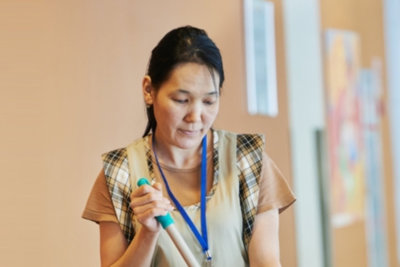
{"points": [[165, 220]]}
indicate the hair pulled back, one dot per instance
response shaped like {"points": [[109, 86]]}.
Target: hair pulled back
{"points": [[182, 45]]}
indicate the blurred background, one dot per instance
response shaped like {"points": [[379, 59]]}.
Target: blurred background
{"points": [[70, 89]]}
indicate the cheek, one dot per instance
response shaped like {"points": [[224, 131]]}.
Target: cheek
{"points": [[211, 115], [169, 116], [162, 111]]}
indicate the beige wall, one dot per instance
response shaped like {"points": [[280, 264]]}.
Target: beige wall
{"points": [[364, 18], [70, 75]]}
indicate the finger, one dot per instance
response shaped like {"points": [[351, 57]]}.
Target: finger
{"points": [[158, 186], [147, 198], [142, 190], [162, 203], [160, 206]]}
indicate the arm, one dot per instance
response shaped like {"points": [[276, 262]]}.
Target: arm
{"points": [[115, 251], [264, 243], [147, 203]]}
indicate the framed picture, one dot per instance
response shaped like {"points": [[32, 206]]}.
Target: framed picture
{"points": [[346, 153], [260, 55]]}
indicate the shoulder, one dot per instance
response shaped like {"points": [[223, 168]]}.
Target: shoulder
{"points": [[250, 145], [244, 141], [247, 144], [117, 160], [115, 163], [114, 157]]}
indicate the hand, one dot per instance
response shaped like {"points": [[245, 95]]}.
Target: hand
{"points": [[147, 202]]}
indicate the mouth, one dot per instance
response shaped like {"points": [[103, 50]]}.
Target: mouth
{"points": [[190, 132]]}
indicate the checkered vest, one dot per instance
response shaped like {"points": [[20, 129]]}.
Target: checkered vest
{"points": [[249, 148]]}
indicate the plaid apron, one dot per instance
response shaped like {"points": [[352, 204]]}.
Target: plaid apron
{"points": [[249, 148]]}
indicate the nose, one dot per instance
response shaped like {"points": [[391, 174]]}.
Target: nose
{"points": [[194, 113]]}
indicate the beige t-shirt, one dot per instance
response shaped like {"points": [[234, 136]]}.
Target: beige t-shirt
{"points": [[275, 192]]}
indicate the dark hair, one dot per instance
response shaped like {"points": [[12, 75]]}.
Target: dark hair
{"points": [[181, 45]]}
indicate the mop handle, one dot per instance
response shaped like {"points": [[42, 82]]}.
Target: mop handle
{"points": [[168, 224]]}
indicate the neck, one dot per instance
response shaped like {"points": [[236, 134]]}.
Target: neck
{"points": [[177, 157]]}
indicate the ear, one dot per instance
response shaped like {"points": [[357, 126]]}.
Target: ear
{"points": [[147, 90]]}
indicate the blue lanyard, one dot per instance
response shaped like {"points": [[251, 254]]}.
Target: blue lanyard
{"points": [[203, 240]]}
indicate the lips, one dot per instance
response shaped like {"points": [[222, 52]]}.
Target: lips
{"points": [[190, 132]]}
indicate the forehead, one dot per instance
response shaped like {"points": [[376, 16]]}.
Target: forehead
{"points": [[193, 76]]}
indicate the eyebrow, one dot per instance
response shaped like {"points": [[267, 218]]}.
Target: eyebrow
{"points": [[183, 91]]}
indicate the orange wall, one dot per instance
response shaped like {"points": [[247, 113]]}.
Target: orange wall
{"points": [[70, 89], [365, 18]]}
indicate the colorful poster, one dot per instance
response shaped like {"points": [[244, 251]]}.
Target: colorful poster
{"points": [[344, 128]]}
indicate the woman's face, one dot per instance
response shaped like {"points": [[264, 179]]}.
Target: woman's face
{"points": [[185, 106]]}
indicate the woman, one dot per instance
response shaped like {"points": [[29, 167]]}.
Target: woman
{"points": [[229, 189]]}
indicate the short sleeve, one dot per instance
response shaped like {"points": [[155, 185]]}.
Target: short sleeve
{"points": [[99, 207], [275, 192]]}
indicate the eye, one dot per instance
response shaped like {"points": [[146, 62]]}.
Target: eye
{"points": [[180, 100], [210, 101]]}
